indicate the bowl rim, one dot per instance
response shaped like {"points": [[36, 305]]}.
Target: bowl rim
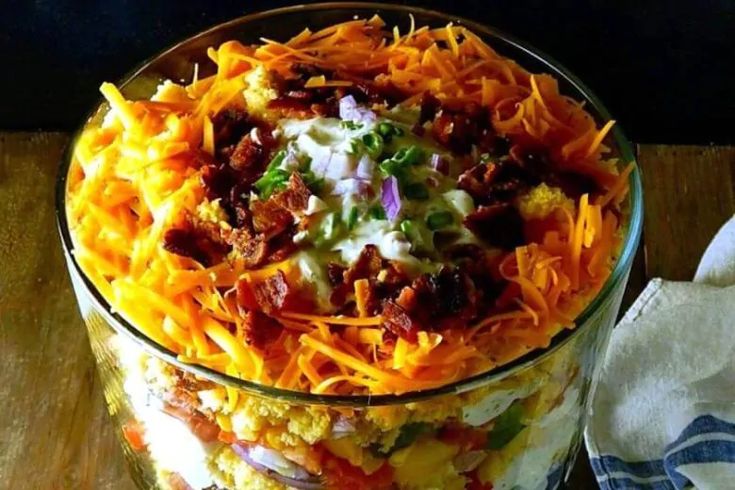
{"points": [[531, 358]]}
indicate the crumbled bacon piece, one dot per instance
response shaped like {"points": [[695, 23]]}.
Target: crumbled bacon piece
{"points": [[367, 265], [250, 247], [443, 300], [295, 198], [202, 243], [335, 273], [272, 294], [245, 297], [499, 225], [230, 125], [478, 180], [397, 321], [430, 105], [270, 218], [260, 329]]}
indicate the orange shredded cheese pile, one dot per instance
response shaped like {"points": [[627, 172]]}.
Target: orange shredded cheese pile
{"points": [[132, 179]]}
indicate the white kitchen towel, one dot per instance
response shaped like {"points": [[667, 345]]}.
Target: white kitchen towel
{"points": [[663, 416]]}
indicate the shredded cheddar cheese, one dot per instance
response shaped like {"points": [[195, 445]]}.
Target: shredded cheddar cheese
{"points": [[131, 181]]}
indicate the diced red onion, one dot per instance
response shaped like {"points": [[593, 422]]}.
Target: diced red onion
{"points": [[365, 168], [390, 198], [268, 462], [439, 163], [468, 461], [320, 164], [350, 111], [351, 187]]}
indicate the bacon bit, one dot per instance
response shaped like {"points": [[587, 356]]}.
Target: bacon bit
{"points": [[444, 300], [397, 321], [272, 294], [478, 180], [260, 329], [499, 225], [251, 248], [270, 218], [335, 273], [430, 105], [367, 265], [295, 198], [202, 243], [229, 125], [460, 128], [290, 108], [245, 296]]}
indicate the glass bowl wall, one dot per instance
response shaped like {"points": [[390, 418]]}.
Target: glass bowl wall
{"points": [[533, 408]]}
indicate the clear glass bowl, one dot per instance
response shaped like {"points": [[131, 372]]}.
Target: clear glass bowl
{"points": [[538, 402]]}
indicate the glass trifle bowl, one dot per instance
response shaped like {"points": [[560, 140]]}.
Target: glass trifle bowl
{"points": [[192, 413]]}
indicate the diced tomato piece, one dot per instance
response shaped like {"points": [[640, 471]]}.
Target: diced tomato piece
{"points": [[133, 432], [339, 474], [227, 437], [467, 438], [476, 484]]}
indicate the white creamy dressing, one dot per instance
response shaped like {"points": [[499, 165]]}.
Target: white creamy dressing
{"points": [[170, 442], [392, 245], [352, 182]]}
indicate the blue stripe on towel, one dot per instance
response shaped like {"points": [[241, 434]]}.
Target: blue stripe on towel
{"points": [[612, 464], [614, 473], [629, 484], [711, 451], [704, 424]]}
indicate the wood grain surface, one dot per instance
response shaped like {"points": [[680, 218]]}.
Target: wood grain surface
{"points": [[54, 430]]}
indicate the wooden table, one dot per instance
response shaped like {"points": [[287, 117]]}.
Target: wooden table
{"points": [[54, 430]]}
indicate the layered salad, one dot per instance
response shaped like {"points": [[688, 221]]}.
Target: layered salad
{"points": [[353, 212]]}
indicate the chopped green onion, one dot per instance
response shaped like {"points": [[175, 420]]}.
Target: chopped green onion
{"points": [[407, 435], [354, 147], [376, 212], [416, 191], [387, 131], [373, 144], [438, 220], [351, 125], [392, 167], [407, 227], [272, 180], [276, 160], [352, 218], [507, 425], [412, 155], [311, 181]]}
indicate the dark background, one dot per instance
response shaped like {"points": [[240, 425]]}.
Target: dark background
{"points": [[664, 68]]}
